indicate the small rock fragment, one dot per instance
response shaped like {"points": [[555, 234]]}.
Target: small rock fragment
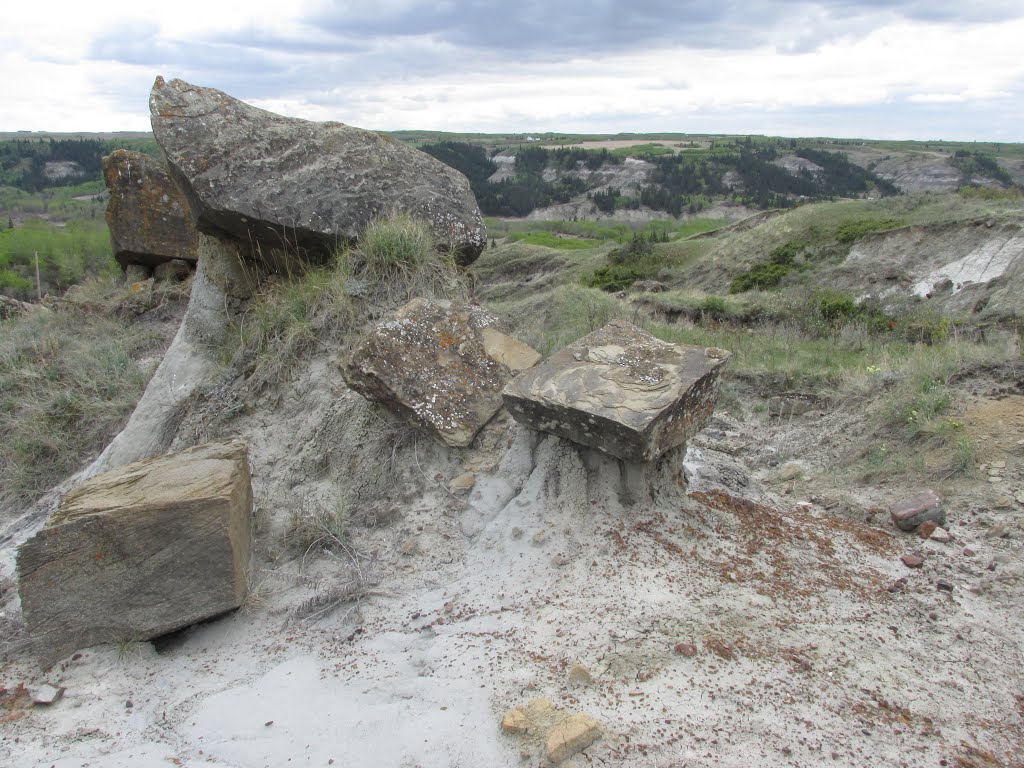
{"points": [[926, 529], [790, 471], [463, 483], [571, 737], [686, 649], [911, 512], [913, 559], [47, 694], [410, 546], [514, 722], [943, 586], [898, 585], [942, 536], [580, 675], [539, 538], [517, 533]]}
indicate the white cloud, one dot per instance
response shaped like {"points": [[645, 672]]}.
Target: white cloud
{"points": [[69, 66]]}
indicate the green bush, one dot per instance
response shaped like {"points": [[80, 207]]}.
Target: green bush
{"points": [[781, 261], [618, 277]]}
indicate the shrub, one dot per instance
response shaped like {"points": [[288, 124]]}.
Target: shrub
{"points": [[855, 230], [781, 261]]}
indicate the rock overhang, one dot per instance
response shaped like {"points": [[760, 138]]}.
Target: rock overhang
{"points": [[281, 182]]}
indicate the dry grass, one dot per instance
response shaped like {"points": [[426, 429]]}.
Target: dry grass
{"points": [[68, 381]]}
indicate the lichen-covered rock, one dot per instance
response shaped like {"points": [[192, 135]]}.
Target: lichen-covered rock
{"points": [[439, 365], [620, 390], [140, 551], [148, 217], [283, 181]]}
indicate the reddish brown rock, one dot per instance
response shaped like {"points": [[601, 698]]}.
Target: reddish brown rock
{"points": [[926, 529], [910, 513], [149, 218], [913, 560]]}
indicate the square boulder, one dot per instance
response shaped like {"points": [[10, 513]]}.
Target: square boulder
{"points": [[622, 391], [140, 551]]}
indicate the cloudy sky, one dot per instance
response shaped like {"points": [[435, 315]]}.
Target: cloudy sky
{"points": [[925, 69]]}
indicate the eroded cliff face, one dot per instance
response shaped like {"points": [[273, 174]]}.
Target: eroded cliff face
{"points": [[977, 266]]}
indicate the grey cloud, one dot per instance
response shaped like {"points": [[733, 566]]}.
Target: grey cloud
{"points": [[581, 27]]}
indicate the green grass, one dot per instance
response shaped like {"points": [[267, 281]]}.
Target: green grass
{"points": [[67, 255], [551, 240]]}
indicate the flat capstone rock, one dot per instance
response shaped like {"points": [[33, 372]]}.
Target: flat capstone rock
{"points": [[622, 391]]}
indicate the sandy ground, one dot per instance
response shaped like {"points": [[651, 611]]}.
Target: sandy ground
{"points": [[723, 616]]}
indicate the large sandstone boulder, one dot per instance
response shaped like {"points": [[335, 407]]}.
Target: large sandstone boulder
{"points": [[439, 365], [140, 551], [283, 181], [622, 391], [148, 217]]}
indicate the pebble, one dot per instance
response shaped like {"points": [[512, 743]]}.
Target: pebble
{"points": [[913, 559], [790, 471], [943, 586], [898, 585], [995, 479], [927, 528], [998, 530], [539, 537], [686, 649], [580, 675], [999, 465], [941, 535], [47, 694]]}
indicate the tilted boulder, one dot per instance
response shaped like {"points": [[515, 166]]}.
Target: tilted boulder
{"points": [[439, 365], [148, 217], [281, 181], [622, 391], [140, 551]]}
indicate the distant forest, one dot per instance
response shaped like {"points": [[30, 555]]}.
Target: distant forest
{"points": [[23, 161], [684, 182]]}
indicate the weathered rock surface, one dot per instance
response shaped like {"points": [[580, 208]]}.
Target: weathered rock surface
{"points": [[148, 217], [439, 365], [620, 390], [140, 551], [912, 512], [571, 737], [278, 180]]}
